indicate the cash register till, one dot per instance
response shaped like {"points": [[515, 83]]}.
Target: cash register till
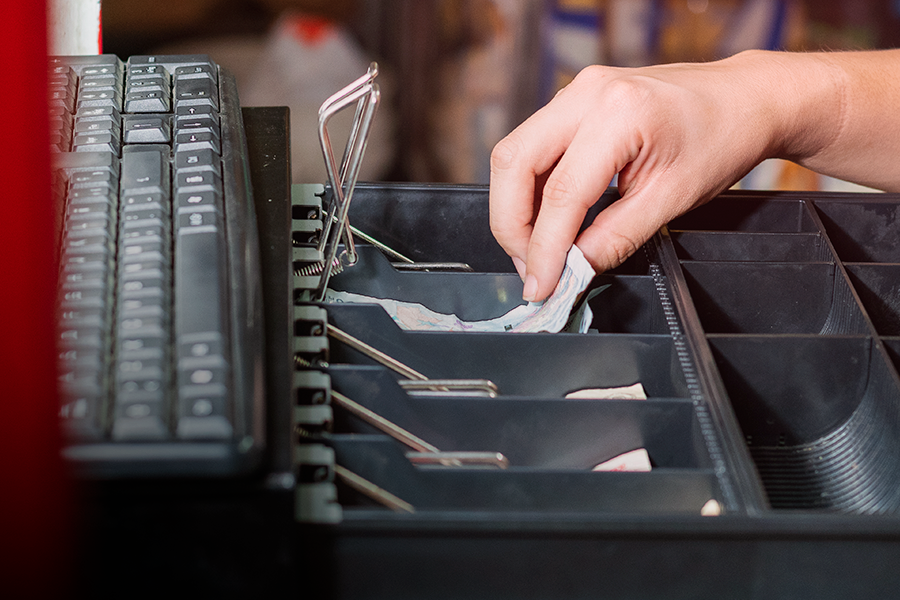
{"points": [[233, 434]]}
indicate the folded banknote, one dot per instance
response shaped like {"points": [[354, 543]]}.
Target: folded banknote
{"points": [[552, 315]]}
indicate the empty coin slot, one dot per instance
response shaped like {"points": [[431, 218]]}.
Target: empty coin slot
{"points": [[863, 231], [878, 287], [759, 247], [821, 416], [735, 212], [773, 298]]}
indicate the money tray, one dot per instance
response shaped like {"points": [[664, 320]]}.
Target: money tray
{"points": [[765, 329]]}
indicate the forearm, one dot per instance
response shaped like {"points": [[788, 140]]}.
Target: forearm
{"points": [[840, 113]]}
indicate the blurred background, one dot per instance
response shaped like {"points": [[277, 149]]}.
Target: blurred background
{"points": [[457, 75]]}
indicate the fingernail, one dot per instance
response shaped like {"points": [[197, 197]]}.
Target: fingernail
{"points": [[529, 291], [519, 264]]}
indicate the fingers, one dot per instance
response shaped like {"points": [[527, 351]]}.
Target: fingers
{"points": [[575, 184], [626, 225], [516, 163]]}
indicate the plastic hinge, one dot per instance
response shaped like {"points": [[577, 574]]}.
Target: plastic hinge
{"points": [[313, 419], [312, 387], [315, 493], [310, 341], [317, 503]]}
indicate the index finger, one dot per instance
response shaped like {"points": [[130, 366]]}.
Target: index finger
{"points": [[516, 162], [576, 183]]}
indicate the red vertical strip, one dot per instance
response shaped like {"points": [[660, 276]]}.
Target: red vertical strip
{"points": [[33, 525]]}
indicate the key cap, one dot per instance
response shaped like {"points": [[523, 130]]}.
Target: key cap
{"points": [[147, 102], [146, 129], [146, 171], [196, 92], [200, 317]]}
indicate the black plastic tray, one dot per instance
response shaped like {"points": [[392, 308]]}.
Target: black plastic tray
{"points": [[765, 329]]}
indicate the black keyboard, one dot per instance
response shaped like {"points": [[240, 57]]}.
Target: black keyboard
{"points": [[160, 343]]}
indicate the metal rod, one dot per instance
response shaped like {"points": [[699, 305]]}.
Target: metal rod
{"points": [[382, 424], [367, 488], [380, 245], [434, 266], [374, 353]]}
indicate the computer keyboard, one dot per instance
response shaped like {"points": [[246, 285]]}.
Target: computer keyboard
{"points": [[160, 343]]}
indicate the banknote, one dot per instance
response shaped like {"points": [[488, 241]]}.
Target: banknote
{"points": [[552, 315], [635, 460], [629, 392]]}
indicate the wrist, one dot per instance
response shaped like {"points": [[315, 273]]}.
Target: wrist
{"points": [[801, 103]]}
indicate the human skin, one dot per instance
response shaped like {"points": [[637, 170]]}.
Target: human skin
{"points": [[677, 135]]}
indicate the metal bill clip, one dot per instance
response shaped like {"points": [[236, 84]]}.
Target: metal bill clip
{"points": [[423, 452], [364, 93], [417, 384]]}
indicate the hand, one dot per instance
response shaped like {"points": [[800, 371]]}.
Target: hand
{"points": [[677, 135]]}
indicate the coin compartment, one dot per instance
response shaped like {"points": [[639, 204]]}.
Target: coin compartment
{"points": [[878, 286], [821, 417], [784, 298], [756, 247], [863, 231], [747, 212], [546, 433]]}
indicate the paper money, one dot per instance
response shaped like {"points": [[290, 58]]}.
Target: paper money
{"points": [[712, 508], [636, 460], [631, 392], [551, 315]]}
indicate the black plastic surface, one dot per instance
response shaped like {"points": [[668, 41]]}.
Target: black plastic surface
{"points": [[795, 331]]}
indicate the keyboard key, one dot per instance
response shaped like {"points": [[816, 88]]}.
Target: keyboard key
{"points": [[147, 102], [147, 129], [144, 171], [196, 92]]}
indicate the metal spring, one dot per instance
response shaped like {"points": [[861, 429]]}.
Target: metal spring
{"points": [[302, 363], [317, 267]]}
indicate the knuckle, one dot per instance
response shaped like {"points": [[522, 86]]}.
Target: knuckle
{"points": [[627, 91], [500, 225], [592, 74], [506, 229], [506, 153], [559, 189], [620, 248]]}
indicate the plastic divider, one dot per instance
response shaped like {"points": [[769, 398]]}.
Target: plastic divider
{"points": [[783, 298]]}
